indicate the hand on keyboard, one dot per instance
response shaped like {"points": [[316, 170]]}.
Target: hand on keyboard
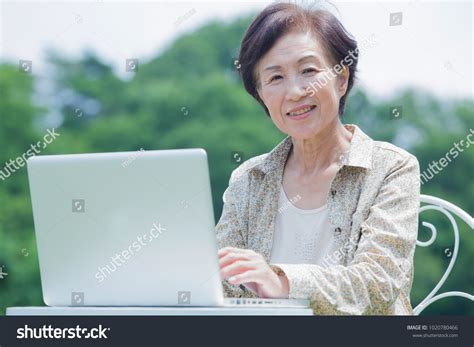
{"points": [[244, 266]]}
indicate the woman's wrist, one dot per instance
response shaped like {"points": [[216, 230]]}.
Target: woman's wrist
{"points": [[284, 283]]}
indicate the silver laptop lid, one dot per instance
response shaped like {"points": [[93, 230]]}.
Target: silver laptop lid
{"points": [[129, 228]]}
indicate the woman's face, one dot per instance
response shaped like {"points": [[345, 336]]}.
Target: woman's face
{"points": [[294, 82]]}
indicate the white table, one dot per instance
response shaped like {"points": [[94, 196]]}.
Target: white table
{"points": [[156, 311]]}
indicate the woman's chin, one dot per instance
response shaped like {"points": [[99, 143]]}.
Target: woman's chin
{"points": [[302, 132]]}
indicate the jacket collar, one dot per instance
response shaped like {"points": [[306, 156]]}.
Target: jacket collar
{"points": [[359, 154]]}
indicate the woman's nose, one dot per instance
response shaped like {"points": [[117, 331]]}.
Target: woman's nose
{"points": [[296, 90]]}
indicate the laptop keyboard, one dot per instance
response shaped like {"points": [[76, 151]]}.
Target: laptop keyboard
{"points": [[264, 302]]}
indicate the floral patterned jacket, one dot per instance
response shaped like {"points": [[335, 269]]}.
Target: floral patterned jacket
{"points": [[373, 206]]}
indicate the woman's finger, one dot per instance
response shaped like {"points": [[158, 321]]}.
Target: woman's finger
{"points": [[248, 276], [226, 250], [236, 268], [233, 257]]}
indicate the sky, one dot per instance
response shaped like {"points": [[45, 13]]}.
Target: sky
{"points": [[431, 48]]}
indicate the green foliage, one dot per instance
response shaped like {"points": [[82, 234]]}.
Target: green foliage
{"points": [[190, 96]]}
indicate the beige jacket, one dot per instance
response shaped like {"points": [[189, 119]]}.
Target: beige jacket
{"points": [[373, 208]]}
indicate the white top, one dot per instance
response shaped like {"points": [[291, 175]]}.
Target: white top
{"points": [[301, 236]]}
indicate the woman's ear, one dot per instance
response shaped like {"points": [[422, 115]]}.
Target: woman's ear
{"points": [[343, 81]]}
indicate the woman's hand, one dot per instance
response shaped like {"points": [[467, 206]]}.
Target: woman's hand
{"points": [[244, 266]]}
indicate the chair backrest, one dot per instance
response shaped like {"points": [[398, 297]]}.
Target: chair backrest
{"points": [[447, 208]]}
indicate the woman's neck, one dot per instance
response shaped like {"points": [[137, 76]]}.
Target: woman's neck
{"points": [[314, 155]]}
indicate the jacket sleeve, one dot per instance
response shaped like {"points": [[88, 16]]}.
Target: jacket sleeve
{"points": [[383, 261], [232, 228]]}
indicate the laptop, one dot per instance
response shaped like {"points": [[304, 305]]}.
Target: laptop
{"points": [[129, 229]]}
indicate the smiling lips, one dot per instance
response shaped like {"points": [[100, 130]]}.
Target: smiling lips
{"points": [[300, 111]]}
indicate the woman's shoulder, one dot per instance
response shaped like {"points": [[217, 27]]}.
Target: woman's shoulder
{"points": [[386, 152], [243, 170], [388, 158], [239, 179]]}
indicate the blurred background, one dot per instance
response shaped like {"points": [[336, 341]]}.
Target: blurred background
{"points": [[120, 76]]}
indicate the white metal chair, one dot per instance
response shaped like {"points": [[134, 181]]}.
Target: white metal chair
{"points": [[445, 207]]}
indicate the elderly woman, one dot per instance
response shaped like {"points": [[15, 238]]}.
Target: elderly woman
{"points": [[329, 214]]}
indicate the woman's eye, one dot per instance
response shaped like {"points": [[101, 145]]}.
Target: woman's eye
{"points": [[275, 78], [309, 70]]}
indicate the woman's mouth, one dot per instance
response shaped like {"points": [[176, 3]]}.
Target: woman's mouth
{"points": [[301, 113]]}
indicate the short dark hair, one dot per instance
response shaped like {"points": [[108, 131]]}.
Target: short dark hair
{"points": [[279, 19]]}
